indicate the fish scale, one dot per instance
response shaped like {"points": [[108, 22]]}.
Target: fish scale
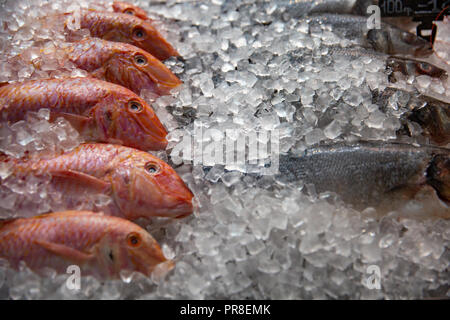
{"points": [[368, 173]]}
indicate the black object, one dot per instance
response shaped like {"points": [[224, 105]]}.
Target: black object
{"points": [[423, 11]]}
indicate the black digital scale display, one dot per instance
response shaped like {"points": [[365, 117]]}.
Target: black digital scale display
{"points": [[423, 11]]}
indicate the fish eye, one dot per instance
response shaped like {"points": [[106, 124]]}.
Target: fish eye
{"points": [[140, 59], [409, 38], [425, 67], [139, 33], [134, 240], [135, 106], [151, 168], [108, 115], [111, 256], [129, 11]]}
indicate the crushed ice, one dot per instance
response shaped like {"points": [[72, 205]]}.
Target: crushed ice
{"points": [[245, 68]]}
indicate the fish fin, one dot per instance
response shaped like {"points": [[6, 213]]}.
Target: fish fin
{"points": [[78, 121], [65, 251], [83, 179]]}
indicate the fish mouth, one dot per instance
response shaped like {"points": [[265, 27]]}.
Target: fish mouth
{"points": [[162, 77], [176, 209], [156, 45], [146, 261], [182, 210], [182, 198], [154, 129]]}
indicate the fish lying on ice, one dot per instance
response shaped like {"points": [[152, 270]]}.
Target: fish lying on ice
{"points": [[140, 185], [100, 245], [100, 110], [432, 114], [406, 66], [371, 174], [123, 64], [123, 7], [388, 39], [122, 27]]}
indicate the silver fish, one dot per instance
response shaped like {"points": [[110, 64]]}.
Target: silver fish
{"points": [[388, 39], [370, 173]]}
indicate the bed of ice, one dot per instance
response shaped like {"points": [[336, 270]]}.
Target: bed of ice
{"points": [[246, 67]]}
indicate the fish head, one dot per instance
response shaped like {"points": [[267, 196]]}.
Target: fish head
{"points": [[127, 119], [379, 39], [426, 68], [145, 186], [438, 176], [136, 69], [143, 35], [127, 8], [419, 46], [126, 246], [395, 41]]}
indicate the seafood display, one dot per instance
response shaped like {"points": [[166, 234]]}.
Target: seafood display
{"points": [[100, 110], [98, 244], [221, 150]]}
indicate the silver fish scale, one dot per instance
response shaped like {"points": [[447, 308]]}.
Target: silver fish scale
{"points": [[361, 174]]}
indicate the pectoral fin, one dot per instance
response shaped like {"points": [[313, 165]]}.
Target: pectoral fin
{"points": [[83, 179], [79, 122], [65, 251]]}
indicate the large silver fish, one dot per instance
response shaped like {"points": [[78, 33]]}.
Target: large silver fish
{"points": [[388, 39], [370, 174]]}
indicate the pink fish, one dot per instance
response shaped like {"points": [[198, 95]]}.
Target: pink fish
{"points": [[122, 27], [100, 245], [123, 64], [100, 110], [140, 184]]}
